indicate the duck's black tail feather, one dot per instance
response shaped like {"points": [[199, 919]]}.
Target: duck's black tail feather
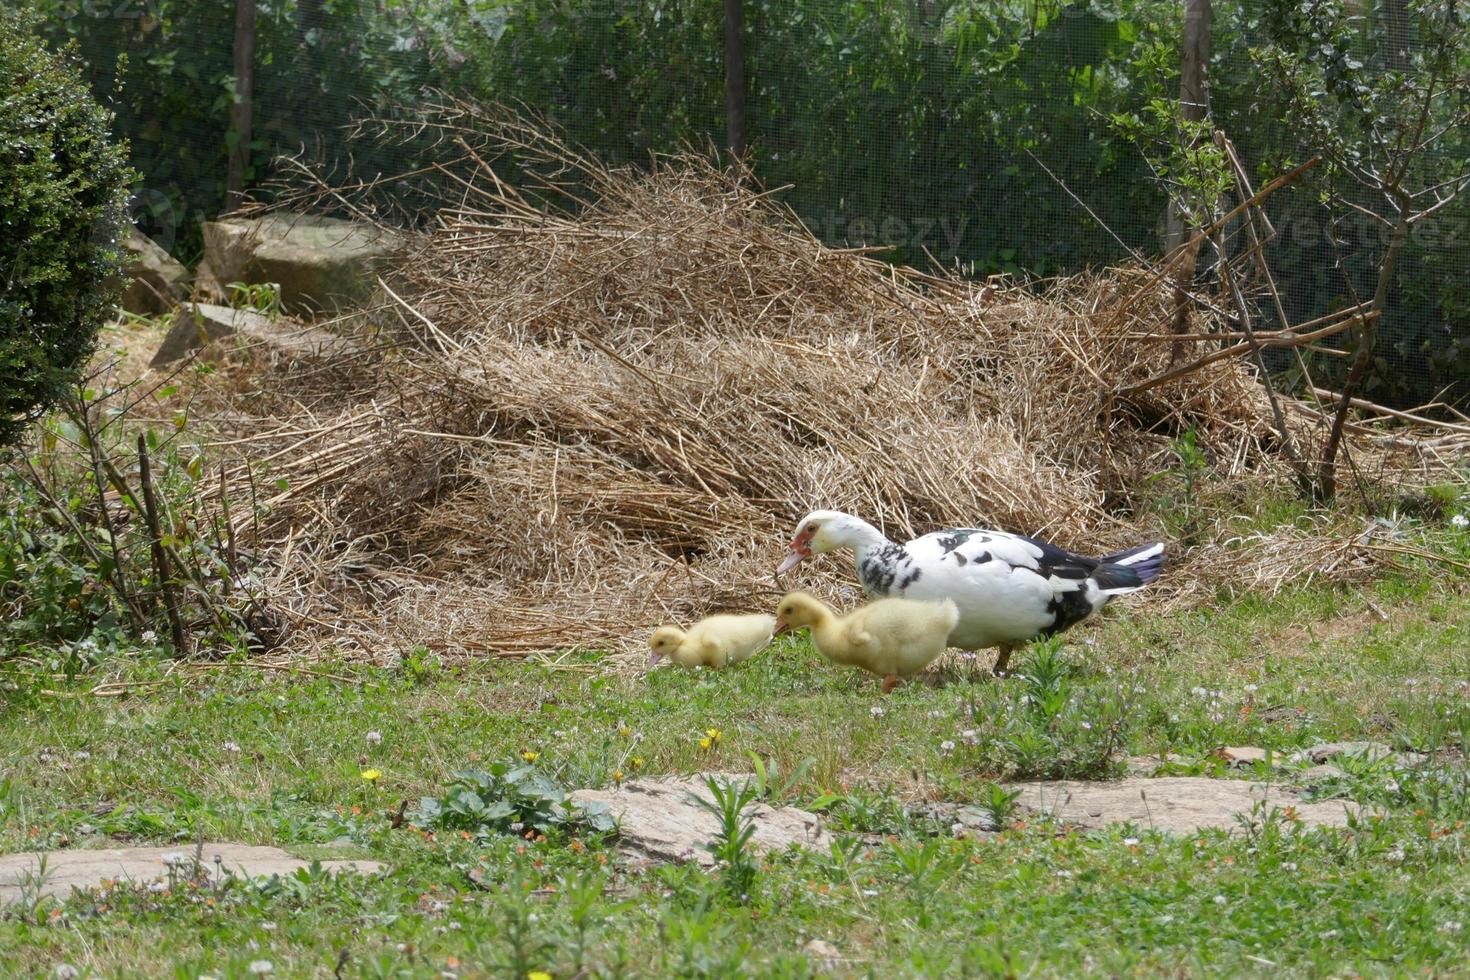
{"points": [[1124, 571]]}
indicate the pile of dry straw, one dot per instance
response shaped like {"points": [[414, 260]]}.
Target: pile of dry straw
{"points": [[571, 421]]}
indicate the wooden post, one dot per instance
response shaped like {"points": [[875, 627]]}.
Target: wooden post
{"points": [[242, 108], [735, 77], [1194, 106]]}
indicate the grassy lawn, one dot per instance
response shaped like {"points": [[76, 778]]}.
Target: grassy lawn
{"points": [[277, 758]]}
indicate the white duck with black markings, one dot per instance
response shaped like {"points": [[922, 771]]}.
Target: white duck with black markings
{"points": [[1009, 589]]}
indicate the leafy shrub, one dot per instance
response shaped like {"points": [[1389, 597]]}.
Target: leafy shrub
{"points": [[506, 799], [79, 570], [63, 195]]}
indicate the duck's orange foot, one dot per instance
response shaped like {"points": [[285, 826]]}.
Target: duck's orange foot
{"points": [[889, 683]]}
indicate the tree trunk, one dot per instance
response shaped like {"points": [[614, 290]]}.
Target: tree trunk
{"points": [[1362, 358], [1194, 106], [735, 77], [242, 108]]}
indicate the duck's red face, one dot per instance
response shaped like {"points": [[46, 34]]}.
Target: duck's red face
{"points": [[801, 547]]}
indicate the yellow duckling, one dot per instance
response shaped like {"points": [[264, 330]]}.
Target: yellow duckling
{"points": [[715, 641], [892, 638]]}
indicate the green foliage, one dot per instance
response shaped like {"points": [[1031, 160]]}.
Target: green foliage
{"points": [[78, 570], [999, 805], [731, 847], [263, 297], [1179, 503], [320, 63], [771, 785], [507, 798], [63, 190], [1341, 81]]}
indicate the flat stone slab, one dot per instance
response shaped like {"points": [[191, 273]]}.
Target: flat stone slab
{"points": [[84, 869], [321, 264], [1366, 751], [1178, 804], [199, 324], [658, 819]]}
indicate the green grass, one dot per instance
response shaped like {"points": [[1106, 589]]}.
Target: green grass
{"points": [[267, 757]]}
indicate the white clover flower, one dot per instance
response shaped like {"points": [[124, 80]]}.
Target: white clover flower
{"points": [[1460, 520], [1392, 786], [1131, 841], [84, 755], [374, 738], [877, 711], [261, 967], [1220, 900], [1450, 927], [1199, 692], [148, 636], [231, 746], [1087, 726], [1250, 689], [65, 971], [946, 746]]}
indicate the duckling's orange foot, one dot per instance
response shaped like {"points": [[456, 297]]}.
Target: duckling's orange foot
{"points": [[889, 683]]}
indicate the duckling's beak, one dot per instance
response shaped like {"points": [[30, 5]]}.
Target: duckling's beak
{"points": [[653, 659], [781, 627], [791, 561]]}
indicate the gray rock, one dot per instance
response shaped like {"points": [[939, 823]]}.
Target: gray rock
{"points": [[1366, 751], [1149, 764], [973, 819], [321, 264], [1179, 804], [198, 324], [85, 869], [1320, 774], [659, 819], [1245, 756], [826, 955], [153, 281]]}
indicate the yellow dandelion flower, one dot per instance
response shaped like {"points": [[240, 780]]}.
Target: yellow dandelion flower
{"points": [[371, 775], [714, 734], [624, 731], [530, 756], [538, 975], [705, 743], [618, 776], [636, 762]]}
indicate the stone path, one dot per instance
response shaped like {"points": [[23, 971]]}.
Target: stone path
{"points": [[1180, 804], [658, 819], [84, 868]]}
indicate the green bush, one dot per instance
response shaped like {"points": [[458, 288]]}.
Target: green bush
{"points": [[63, 195]]}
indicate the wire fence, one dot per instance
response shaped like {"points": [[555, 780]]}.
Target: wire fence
{"points": [[1019, 138]]}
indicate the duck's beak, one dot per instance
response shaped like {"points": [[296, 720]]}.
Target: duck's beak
{"points": [[781, 627], [791, 561]]}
